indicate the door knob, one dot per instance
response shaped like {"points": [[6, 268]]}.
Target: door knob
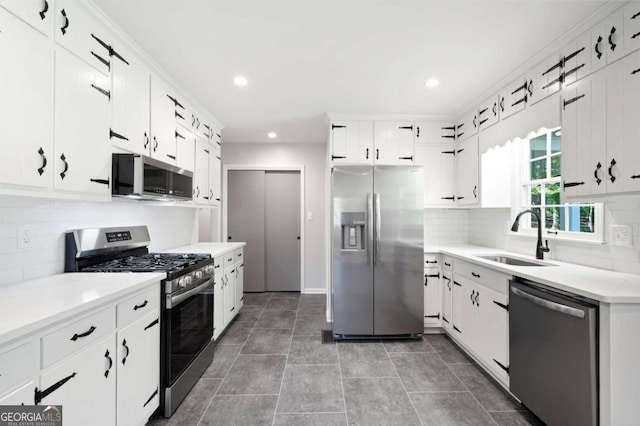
{"points": [[298, 236], [229, 237]]}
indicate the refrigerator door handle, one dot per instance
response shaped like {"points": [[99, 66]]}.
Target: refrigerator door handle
{"points": [[377, 230], [369, 228]]}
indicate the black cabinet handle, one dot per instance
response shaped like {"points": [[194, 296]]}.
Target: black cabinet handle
{"points": [[45, 9], [103, 91], [457, 329], [333, 157], [476, 299], [611, 176], [457, 283], [417, 131], [494, 109], [113, 134], [505, 307], [502, 104], [198, 191], [501, 365], [483, 121], [475, 275], [482, 111], [40, 395], [473, 293], [595, 173], [611, 43], [151, 397], [460, 150], [334, 126], [85, 334], [523, 87], [431, 261], [530, 87], [406, 158], [636, 71], [101, 181], [232, 309], [173, 157], [377, 154], [447, 264], [426, 276], [101, 59], [178, 135], [597, 47], [152, 323], [449, 128], [44, 161], [66, 22], [635, 16], [449, 152], [156, 144], [126, 348], [635, 35], [66, 166], [433, 316], [146, 140], [635, 177], [459, 126], [571, 184], [136, 307], [444, 319], [217, 199], [475, 191], [475, 119], [459, 135], [366, 154], [572, 100], [178, 115], [108, 357], [519, 101], [460, 198], [448, 198], [405, 127]]}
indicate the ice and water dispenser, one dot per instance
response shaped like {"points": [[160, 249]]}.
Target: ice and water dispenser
{"points": [[353, 230]]}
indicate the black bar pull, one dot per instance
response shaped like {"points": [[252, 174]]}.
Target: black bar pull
{"points": [[459, 135], [449, 136], [101, 181], [406, 158], [85, 334], [459, 126], [457, 283], [44, 161], [142, 305], [635, 35], [611, 176], [367, 153], [108, 357], [217, 199], [377, 154], [448, 265], [151, 397], [113, 134], [449, 152], [483, 121], [449, 128], [417, 131], [595, 173], [126, 348], [101, 59], [334, 157], [435, 262], [572, 100], [445, 320], [610, 38], [635, 177], [152, 323], [460, 150], [519, 101], [432, 316], [232, 309], [101, 90], [66, 22], [501, 366], [40, 395], [448, 198], [45, 8], [405, 127], [505, 307], [523, 87], [635, 16], [482, 111], [475, 275], [457, 329], [178, 135], [66, 166], [571, 184], [206, 150], [550, 232], [596, 47], [334, 126], [636, 71]]}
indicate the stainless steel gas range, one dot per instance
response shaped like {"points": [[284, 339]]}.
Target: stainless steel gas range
{"points": [[186, 334]]}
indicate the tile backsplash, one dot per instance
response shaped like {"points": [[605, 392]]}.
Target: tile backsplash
{"points": [[445, 226], [48, 220]]}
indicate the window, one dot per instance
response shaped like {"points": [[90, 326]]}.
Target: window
{"points": [[542, 192]]}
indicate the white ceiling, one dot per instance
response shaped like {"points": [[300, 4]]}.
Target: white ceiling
{"points": [[304, 58]]}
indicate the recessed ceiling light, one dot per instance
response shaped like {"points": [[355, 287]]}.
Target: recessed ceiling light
{"points": [[240, 81], [272, 135], [432, 82]]}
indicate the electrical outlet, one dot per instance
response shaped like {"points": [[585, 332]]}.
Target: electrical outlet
{"points": [[622, 235], [309, 215], [24, 237]]}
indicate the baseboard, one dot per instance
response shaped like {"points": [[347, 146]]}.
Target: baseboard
{"points": [[313, 291]]}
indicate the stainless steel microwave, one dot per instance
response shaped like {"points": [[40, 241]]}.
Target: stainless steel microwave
{"points": [[142, 177]]}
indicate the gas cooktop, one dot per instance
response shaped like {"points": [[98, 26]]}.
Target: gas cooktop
{"points": [[150, 262]]}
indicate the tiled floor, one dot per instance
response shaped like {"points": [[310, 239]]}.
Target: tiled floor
{"points": [[272, 369]]}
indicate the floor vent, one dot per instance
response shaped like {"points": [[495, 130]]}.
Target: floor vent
{"points": [[327, 336]]}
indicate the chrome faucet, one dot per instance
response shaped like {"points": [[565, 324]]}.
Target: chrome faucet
{"points": [[540, 249]]}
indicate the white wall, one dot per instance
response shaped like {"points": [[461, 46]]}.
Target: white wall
{"points": [[312, 156], [487, 228], [50, 219]]}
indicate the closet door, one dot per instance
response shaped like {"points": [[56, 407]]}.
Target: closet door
{"points": [[282, 225], [246, 222]]}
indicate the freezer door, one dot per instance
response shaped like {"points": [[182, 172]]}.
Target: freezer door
{"points": [[398, 250], [352, 289]]}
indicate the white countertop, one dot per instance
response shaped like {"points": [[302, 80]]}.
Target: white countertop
{"points": [[30, 305], [598, 284], [215, 249]]}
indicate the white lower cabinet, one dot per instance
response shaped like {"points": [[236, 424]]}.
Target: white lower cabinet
{"points": [[21, 396], [218, 302], [228, 296], [432, 298], [229, 293], [239, 283]]}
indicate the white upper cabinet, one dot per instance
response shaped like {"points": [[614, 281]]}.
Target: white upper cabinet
{"points": [[513, 98], [631, 16], [438, 161], [201, 172], [215, 175], [26, 109], [393, 143], [577, 59], [489, 112], [352, 142], [37, 13], [130, 102], [434, 132], [544, 79], [82, 148], [185, 150], [468, 192], [163, 121], [78, 31], [467, 125], [607, 41]]}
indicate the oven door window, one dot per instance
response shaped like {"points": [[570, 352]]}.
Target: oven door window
{"points": [[190, 328]]}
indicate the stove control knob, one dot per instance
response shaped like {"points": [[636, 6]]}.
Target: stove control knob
{"points": [[182, 282], [198, 275], [187, 280], [208, 269]]}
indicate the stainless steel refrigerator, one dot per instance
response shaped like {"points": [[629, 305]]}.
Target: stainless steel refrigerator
{"points": [[377, 250]]}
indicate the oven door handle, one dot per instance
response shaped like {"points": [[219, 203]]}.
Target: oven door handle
{"points": [[174, 300]]}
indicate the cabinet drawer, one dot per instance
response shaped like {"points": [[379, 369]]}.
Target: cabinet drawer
{"points": [[238, 255], [487, 277], [17, 365], [447, 263], [137, 306], [229, 259], [76, 335], [431, 260]]}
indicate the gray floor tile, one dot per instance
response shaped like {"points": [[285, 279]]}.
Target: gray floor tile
{"points": [[311, 325], [313, 299], [277, 319], [316, 419], [311, 350], [378, 402], [286, 295], [425, 372], [254, 374], [223, 358], [516, 418], [237, 333], [257, 299], [240, 410], [285, 303], [446, 348], [250, 313], [194, 404], [487, 393], [364, 359], [312, 309], [449, 409], [408, 346], [268, 342], [311, 389]]}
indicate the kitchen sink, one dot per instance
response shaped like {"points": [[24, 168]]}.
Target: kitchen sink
{"points": [[508, 260]]}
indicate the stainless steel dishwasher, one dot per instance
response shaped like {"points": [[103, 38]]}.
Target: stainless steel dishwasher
{"points": [[553, 351]]}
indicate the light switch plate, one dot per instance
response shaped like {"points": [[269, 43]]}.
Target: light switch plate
{"points": [[24, 237], [622, 235]]}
